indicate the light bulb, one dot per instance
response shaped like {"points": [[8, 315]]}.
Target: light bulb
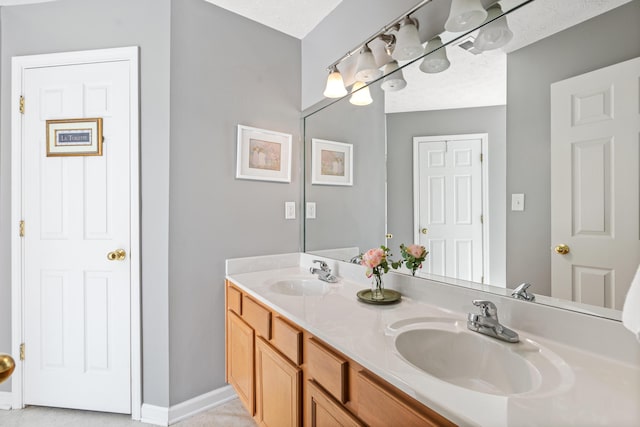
{"points": [[335, 85], [360, 94]]}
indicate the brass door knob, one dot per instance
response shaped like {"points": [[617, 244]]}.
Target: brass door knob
{"points": [[117, 255], [562, 249], [388, 236], [423, 230], [7, 365]]}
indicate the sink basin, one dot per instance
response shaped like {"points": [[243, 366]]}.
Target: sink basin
{"points": [[451, 353], [301, 287]]}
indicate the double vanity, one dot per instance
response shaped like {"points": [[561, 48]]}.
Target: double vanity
{"points": [[303, 351]]}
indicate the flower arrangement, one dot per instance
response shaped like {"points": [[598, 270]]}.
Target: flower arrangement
{"points": [[414, 256], [378, 262]]}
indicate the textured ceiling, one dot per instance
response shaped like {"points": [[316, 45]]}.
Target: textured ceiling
{"points": [[480, 80]]}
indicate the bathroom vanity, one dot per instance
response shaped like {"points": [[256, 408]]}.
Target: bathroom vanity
{"points": [[304, 352]]}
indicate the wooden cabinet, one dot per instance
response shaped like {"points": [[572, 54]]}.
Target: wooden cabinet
{"points": [[324, 411], [278, 388], [240, 353], [270, 358], [380, 405]]}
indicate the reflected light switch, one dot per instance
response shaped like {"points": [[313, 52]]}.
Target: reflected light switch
{"points": [[517, 202], [311, 210]]}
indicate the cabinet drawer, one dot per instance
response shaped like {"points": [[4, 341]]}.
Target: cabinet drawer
{"points": [[380, 406], [327, 368], [234, 299], [257, 316], [287, 339]]}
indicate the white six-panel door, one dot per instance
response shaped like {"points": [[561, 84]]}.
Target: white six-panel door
{"points": [[595, 126], [76, 210], [448, 201]]}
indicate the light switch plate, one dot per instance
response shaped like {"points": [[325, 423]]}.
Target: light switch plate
{"points": [[517, 202], [311, 210], [289, 210]]}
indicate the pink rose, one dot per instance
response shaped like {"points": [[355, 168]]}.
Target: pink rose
{"points": [[416, 251], [373, 258]]}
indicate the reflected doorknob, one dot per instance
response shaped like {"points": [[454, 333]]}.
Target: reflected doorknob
{"points": [[388, 236], [423, 230], [562, 249], [117, 255]]}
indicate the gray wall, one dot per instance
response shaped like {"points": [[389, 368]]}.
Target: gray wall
{"points": [[203, 71], [351, 215], [604, 40], [68, 25], [225, 70], [343, 29], [402, 127]]}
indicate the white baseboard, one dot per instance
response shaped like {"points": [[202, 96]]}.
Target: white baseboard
{"points": [[156, 415], [6, 400], [162, 416]]}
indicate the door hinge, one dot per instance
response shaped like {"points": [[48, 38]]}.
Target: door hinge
{"points": [[21, 228], [481, 219], [481, 157], [22, 351], [21, 104]]}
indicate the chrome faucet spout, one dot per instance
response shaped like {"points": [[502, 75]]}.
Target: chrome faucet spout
{"points": [[487, 322], [324, 272], [521, 292]]}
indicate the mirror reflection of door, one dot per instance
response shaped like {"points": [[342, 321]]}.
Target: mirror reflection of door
{"points": [[595, 123], [448, 200]]}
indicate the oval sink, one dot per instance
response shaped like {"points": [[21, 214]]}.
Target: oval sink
{"points": [[467, 359], [301, 287]]}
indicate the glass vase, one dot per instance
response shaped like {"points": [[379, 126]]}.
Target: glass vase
{"points": [[377, 288]]}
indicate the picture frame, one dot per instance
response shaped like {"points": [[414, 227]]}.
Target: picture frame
{"points": [[263, 155], [331, 162], [74, 137]]}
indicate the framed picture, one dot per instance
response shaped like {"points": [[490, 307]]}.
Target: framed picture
{"points": [[331, 162], [74, 137], [264, 155]]}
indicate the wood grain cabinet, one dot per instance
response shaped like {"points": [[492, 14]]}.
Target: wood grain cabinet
{"points": [[286, 377], [240, 359], [324, 411], [278, 388]]}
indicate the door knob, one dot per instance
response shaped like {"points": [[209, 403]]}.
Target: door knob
{"points": [[117, 255], [388, 236], [423, 230], [562, 249]]}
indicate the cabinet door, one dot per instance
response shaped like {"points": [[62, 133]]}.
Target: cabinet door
{"points": [[324, 411], [240, 338], [278, 396]]}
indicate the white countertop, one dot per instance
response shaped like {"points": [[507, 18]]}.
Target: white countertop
{"points": [[595, 390]]}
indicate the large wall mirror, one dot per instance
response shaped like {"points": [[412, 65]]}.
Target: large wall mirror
{"points": [[511, 165]]}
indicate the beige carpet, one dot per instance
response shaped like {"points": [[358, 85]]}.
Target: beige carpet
{"points": [[230, 414]]}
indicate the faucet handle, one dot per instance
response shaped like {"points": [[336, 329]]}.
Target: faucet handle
{"points": [[487, 308], [323, 265]]}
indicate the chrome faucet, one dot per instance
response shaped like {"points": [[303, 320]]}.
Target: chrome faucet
{"points": [[487, 322], [324, 272], [521, 292]]}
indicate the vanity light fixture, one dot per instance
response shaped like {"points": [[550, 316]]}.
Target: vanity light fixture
{"points": [[367, 70], [465, 15], [496, 33], [360, 94], [335, 85], [436, 61], [408, 45], [394, 80]]}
